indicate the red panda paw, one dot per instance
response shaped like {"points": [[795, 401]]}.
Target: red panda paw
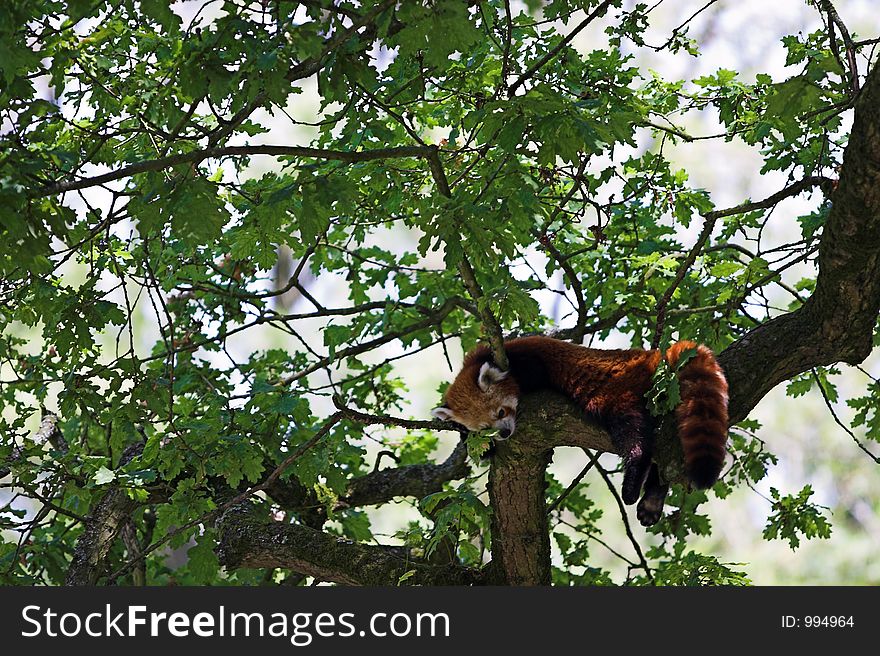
{"points": [[650, 509], [635, 471]]}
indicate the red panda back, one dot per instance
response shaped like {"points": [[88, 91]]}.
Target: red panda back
{"points": [[604, 382]]}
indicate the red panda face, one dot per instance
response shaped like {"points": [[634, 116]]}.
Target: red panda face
{"points": [[482, 396]]}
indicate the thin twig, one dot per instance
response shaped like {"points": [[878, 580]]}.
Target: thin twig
{"points": [[574, 483], [196, 156], [388, 420], [469, 278], [636, 547], [711, 219], [534, 68], [837, 420]]}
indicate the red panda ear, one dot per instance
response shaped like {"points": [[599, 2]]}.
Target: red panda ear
{"points": [[489, 375], [443, 413]]}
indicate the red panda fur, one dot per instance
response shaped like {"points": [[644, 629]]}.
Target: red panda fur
{"points": [[610, 386]]}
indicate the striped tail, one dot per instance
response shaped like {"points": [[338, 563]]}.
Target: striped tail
{"points": [[702, 413]]}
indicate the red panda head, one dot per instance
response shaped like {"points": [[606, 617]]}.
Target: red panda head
{"points": [[481, 396]]}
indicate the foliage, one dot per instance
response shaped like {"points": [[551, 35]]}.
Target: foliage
{"points": [[793, 514], [665, 395], [697, 569], [207, 303]]}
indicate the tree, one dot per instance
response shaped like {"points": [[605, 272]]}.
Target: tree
{"points": [[205, 321]]}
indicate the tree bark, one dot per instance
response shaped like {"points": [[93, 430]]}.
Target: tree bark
{"points": [[519, 517], [416, 481], [248, 543], [101, 530]]}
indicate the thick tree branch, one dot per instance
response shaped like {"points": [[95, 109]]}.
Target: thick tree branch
{"points": [[102, 527], [377, 487], [416, 481], [247, 543], [380, 486], [520, 530]]}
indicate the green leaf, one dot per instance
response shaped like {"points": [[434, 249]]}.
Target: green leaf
{"points": [[202, 562], [104, 476], [800, 385], [356, 525], [665, 395], [160, 11], [406, 576], [151, 449]]}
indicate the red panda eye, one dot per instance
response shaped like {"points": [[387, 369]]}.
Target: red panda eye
{"points": [[501, 413]]}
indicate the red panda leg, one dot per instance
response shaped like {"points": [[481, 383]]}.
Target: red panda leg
{"points": [[650, 507], [630, 428]]}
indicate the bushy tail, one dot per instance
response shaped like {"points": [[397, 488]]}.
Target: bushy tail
{"points": [[702, 413]]}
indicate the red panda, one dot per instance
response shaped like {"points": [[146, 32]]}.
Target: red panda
{"points": [[610, 386]]}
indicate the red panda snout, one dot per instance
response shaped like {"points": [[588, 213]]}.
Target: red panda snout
{"points": [[506, 428], [481, 396], [492, 415]]}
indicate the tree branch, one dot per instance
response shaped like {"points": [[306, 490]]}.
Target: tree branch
{"points": [[416, 481], [196, 156], [47, 432], [377, 487], [538, 65], [248, 543], [388, 420], [834, 19], [490, 324], [101, 530], [304, 69], [432, 319], [520, 529], [711, 218]]}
